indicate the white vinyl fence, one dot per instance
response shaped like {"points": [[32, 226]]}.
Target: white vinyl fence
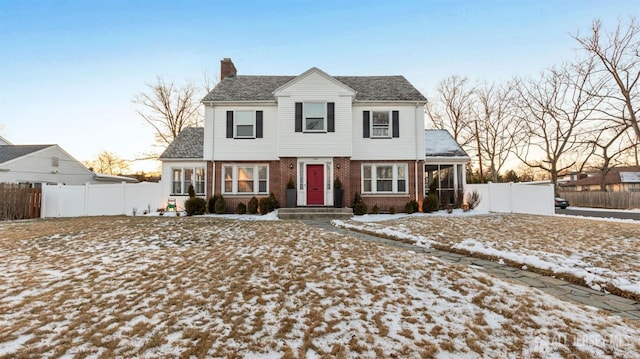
{"points": [[100, 199], [514, 198]]}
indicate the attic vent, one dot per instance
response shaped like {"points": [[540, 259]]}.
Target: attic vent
{"points": [[54, 161]]}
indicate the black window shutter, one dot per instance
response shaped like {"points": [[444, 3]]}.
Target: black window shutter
{"points": [[298, 116], [229, 124], [331, 117], [365, 124], [258, 124], [395, 115]]}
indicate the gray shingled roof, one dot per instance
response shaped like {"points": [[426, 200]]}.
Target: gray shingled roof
{"points": [[188, 144], [261, 88], [440, 143], [10, 152]]}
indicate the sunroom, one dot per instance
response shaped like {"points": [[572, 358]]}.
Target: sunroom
{"points": [[444, 167]]}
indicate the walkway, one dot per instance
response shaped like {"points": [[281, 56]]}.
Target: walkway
{"points": [[623, 307]]}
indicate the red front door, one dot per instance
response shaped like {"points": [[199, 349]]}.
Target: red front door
{"points": [[315, 185]]}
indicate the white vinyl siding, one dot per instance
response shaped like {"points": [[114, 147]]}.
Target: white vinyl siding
{"points": [[232, 149], [315, 88], [384, 178], [245, 179], [410, 144]]}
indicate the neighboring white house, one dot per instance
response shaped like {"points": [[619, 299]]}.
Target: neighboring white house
{"points": [[36, 164], [263, 131]]}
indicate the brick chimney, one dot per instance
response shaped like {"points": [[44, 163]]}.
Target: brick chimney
{"points": [[227, 69]]}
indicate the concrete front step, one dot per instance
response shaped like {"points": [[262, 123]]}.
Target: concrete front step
{"points": [[310, 213]]}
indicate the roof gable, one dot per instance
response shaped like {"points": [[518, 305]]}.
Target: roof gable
{"points": [[262, 88], [189, 144], [313, 71], [12, 152]]}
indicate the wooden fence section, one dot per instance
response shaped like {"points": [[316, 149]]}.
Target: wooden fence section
{"points": [[19, 202], [597, 199]]}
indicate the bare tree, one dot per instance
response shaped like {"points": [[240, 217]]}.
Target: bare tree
{"points": [[495, 124], [108, 163], [169, 108], [609, 146], [451, 109], [618, 58], [553, 109]]}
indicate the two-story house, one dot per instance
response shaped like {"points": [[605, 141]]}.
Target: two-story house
{"points": [[314, 128]]}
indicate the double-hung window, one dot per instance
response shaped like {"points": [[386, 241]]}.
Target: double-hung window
{"points": [[183, 177], [245, 179], [244, 124], [380, 125], [315, 117], [384, 178]]}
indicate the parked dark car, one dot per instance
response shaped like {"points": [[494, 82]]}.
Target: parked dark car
{"points": [[561, 202]]}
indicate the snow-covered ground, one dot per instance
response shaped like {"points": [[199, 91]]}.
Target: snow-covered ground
{"points": [[216, 287], [603, 253]]}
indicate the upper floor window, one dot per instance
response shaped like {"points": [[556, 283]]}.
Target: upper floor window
{"points": [[244, 124], [384, 178], [245, 179], [314, 117], [380, 124]]}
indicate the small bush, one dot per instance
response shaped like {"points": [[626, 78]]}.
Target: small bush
{"points": [[221, 205], [359, 207], [252, 208], [191, 191], [268, 204], [392, 210], [375, 209], [195, 206], [211, 204], [411, 207], [473, 199], [241, 208], [291, 184], [431, 204]]}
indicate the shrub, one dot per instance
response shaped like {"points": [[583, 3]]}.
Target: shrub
{"points": [[359, 207], [191, 191], [221, 205], [252, 208], [268, 204], [473, 199], [291, 184], [195, 206], [430, 204], [375, 209], [411, 207], [241, 208], [337, 184], [392, 210], [211, 204]]}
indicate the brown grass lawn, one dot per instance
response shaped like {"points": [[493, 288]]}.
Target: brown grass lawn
{"points": [[603, 254], [209, 287]]}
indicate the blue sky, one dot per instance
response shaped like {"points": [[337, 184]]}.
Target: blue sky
{"points": [[69, 69]]}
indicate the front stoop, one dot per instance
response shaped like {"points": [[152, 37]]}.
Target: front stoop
{"points": [[311, 213]]}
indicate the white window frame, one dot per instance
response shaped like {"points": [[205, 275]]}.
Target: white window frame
{"points": [[395, 178], [184, 182], [305, 117], [235, 123], [387, 127], [235, 178]]}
